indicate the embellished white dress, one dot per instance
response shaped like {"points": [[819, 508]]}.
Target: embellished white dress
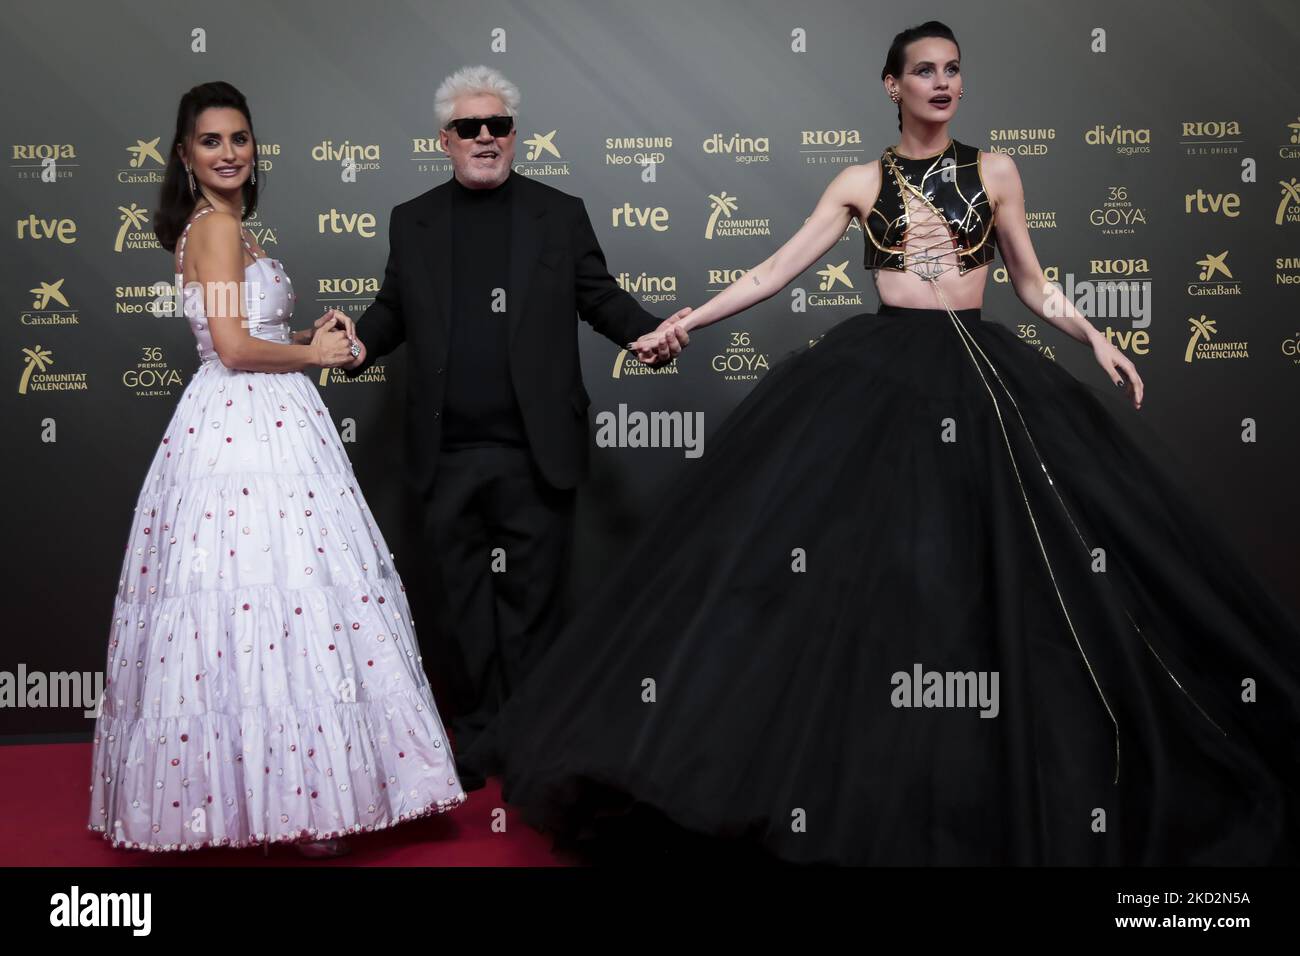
{"points": [[263, 680]]}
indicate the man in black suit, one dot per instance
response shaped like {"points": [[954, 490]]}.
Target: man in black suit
{"points": [[485, 276]]}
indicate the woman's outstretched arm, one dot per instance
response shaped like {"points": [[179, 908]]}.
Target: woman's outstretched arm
{"points": [[1045, 299], [846, 193]]}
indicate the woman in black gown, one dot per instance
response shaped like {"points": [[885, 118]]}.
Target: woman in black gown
{"points": [[921, 510]]}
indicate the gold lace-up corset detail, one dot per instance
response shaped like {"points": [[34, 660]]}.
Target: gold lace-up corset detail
{"points": [[931, 215]]}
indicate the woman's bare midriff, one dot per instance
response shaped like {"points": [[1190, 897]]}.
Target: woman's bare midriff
{"points": [[907, 290]]}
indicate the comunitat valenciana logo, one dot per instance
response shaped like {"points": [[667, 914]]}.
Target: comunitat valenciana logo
{"points": [[1204, 344], [133, 231], [723, 223], [37, 374], [1288, 208]]}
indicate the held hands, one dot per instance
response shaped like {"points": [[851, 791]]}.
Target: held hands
{"points": [[665, 343], [332, 337], [1116, 365]]}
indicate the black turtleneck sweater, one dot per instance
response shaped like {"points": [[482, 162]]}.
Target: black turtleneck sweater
{"points": [[479, 407]]}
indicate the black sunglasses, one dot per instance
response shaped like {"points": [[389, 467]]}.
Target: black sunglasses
{"points": [[468, 127]]}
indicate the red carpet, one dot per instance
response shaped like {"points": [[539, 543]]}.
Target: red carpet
{"points": [[44, 802]]}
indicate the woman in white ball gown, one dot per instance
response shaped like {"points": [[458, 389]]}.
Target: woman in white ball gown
{"points": [[263, 678]]}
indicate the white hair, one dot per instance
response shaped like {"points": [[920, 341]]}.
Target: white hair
{"points": [[469, 80]]}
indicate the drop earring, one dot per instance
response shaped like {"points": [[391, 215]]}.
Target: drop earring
{"points": [[253, 178], [962, 93], [893, 95], [189, 174]]}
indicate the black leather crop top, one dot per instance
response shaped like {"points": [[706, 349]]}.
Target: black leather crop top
{"points": [[959, 198]]}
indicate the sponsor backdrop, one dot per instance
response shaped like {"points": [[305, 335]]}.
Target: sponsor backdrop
{"points": [[1159, 145]]}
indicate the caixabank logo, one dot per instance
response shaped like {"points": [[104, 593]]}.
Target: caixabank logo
{"points": [[541, 156], [49, 305]]}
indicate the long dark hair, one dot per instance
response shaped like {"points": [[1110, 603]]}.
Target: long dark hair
{"points": [[175, 202], [894, 59]]}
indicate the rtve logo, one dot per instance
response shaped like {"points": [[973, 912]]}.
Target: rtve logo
{"points": [[64, 230], [1229, 204], [345, 223], [633, 217]]}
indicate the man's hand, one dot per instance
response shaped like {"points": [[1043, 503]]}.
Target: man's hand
{"points": [[334, 319], [665, 343]]}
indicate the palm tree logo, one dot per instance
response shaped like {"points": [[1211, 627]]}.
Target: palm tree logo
{"points": [[721, 204], [540, 143], [1290, 194], [142, 151], [132, 218], [37, 358], [47, 291], [1201, 329]]}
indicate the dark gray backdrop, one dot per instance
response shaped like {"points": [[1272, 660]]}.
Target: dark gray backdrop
{"points": [[85, 83]]}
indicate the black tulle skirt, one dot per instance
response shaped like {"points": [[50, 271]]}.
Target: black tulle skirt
{"points": [[923, 601]]}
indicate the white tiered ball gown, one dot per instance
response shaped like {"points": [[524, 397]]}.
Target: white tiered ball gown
{"points": [[263, 678]]}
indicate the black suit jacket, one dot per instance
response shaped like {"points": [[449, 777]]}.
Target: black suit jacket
{"points": [[557, 272]]}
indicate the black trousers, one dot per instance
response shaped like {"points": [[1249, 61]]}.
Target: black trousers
{"points": [[502, 538]]}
